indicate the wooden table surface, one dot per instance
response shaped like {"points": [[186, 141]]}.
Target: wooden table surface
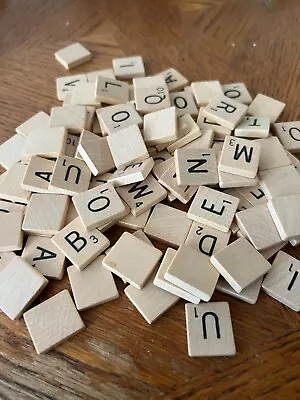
{"points": [[119, 356]]}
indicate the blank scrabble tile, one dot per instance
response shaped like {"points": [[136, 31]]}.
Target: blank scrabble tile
{"points": [[227, 180], [127, 147], [193, 272], [240, 157], [12, 150], [240, 264], [39, 120], [264, 106], [213, 208], [289, 135], [253, 194], [53, 321], [253, 128], [20, 284], [106, 73], [249, 294], [160, 168], [285, 212], [5, 259], [174, 79], [73, 118], [84, 94], [168, 225], [11, 235], [184, 103], [206, 91], [238, 92], [282, 181], [257, 224], [205, 124], [128, 67], [65, 85], [272, 154], [151, 94], [47, 142], [111, 91], [70, 176], [132, 222], [73, 55], [98, 206], [44, 256], [132, 259], [132, 173], [160, 126], [45, 214], [203, 142], [209, 330], [93, 286], [192, 133], [196, 167], [282, 281], [120, 116], [11, 184], [38, 175], [71, 145], [141, 196]]}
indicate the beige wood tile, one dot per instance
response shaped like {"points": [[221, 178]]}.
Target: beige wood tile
{"points": [[206, 91], [192, 133], [238, 92], [11, 235], [151, 150], [96, 127], [99, 180], [71, 145], [294, 160], [184, 125], [132, 259], [213, 208], [20, 284], [160, 126], [140, 234], [71, 214], [12, 150], [243, 203], [264, 106], [73, 55], [90, 114], [5, 259], [132, 222], [39, 120], [120, 116], [160, 168], [8, 207], [289, 135], [249, 294], [72, 118], [206, 338], [205, 124], [174, 79], [84, 94], [132, 173], [203, 142], [267, 254], [227, 180], [272, 154], [240, 264], [11, 184], [151, 94], [253, 127], [38, 174], [111, 91], [253, 194], [66, 84], [282, 181], [105, 73], [128, 67], [161, 156], [53, 321], [184, 103], [185, 272]]}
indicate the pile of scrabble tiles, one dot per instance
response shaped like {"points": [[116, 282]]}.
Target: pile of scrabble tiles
{"points": [[119, 151]]}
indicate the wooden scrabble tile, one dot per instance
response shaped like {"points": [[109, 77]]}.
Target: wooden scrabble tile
{"points": [[253, 194], [72, 118], [240, 264], [193, 272], [206, 91], [225, 111], [12, 150], [205, 124], [285, 212], [195, 167], [8, 207], [11, 235], [141, 196], [71, 145], [127, 147], [282, 181], [203, 142], [249, 294], [289, 135], [141, 235], [81, 247], [240, 157], [120, 116], [227, 180], [161, 156], [213, 208], [205, 239], [111, 91], [38, 174], [160, 168], [73, 55], [174, 79], [132, 173], [243, 203], [132, 222], [84, 94], [268, 253], [66, 84], [99, 205], [11, 184], [264, 106], [44, 256], [39, 120], [206, 338], [71, 214], [5, 259], [184, 103], [294, 160], [192, 133], [128, 67], [70, 176], [20, 284], [282, 281], [45, 214], [238, 92], [253, 127], [132, 259], [151, 94], [53, 321], [272, 154], [160, 126], [96, 127]]}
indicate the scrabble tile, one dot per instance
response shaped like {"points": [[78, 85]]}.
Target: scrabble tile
{"points": [[282, 181], [53, 321], [203, 142], [45, 214], [81, 247], [47, 142], [84, 94], [168, 225], [12, 150], [183, 103], [132, 222], [225, 111], [95, 152], [44, 256], [141, 235], [253, 127], [213, 338], [205, 239], [5, 259], [73, 55], [213, 208], [206, 91], [128, 67], [238, 92], [120, 116], [160, 126], [151, 94], [8, 207], [93, 286], [160, 168], [285, 212], [132, 173], [141, 196], [264, 106], [193, 272], [132, 259], [289, 135], [282, 281], [11, 184], [205, 124], [161, 156], [70, 176], [38, 174], [71, 145], [20, 284], [105, 73], [66, 84], [11, 235], [227, 180], [99, 205], [72, 118], [272, 154], [294, 160], [253, 194], [161, 282], [192, 134], [243, 203], [268, 253], [240, 264], [249, 294], [174, 79], [111, 91], [195, 167], [127, 147], [39, 120]]}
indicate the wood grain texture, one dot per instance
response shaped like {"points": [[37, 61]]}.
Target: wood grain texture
{"points": [[119, 356]]}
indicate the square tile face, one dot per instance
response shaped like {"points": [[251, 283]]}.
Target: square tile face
{"points": [[160, 126], [120, 116], [282, 282], [39, 120], [53, 321], [206, 91], [289, 135], [240, 264], [272, 154], [20, 284], [151, 94], [65, 85], [238, 92], [249, 294], [128, 67], [132, 259], [282, 181], [174, 79], [38, 174], [11, 234], [253, 127], [11, 184], [47, 142], [209, 330], [73, 118], [111, 91], [264, 106], [73, 55], [184, 103], [12, 150]]}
